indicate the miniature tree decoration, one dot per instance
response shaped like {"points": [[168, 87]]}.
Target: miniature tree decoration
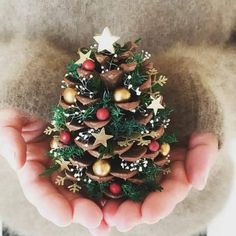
{"points": [[109, 129]]}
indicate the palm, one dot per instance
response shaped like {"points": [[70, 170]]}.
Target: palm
{"points": [[24, 145], [30, 148], [189, 167]]}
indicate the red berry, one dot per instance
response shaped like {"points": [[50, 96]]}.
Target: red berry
{"points": [[88, 65], [153, 146], [65, 137], [102, 114], [115, 188]]}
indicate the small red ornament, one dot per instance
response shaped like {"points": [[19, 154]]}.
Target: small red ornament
{"points": [[88, 65], [102, 113], [115, 188], [153, 146], [65, 137]]}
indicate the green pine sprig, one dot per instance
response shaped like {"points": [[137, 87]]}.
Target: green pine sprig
{"points": [[152, 171], [136, 192], [163, 114], [95, 189], [168, 138], [66, 153], [124, 128], [71, 68], [58, 119]]}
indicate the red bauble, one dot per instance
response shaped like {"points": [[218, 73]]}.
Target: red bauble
{"points": [[102, 114], [115, 188], [88, 65], [153, 146], [65, 137]]}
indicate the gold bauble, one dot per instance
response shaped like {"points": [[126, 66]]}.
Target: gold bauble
{"points": [[165, 149], [55, 143], [121, 95], [101, 168], [69, 95]]}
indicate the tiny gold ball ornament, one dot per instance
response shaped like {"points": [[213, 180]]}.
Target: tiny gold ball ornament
{"points": [[101, 168], [55, 143], [121, 95], [69, 95], [165, 149]]}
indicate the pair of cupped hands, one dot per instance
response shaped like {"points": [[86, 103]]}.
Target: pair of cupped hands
{"points": [[25, 148]]}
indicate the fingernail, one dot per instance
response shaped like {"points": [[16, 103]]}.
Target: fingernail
{"points": [[202, 183], [13, 161]]}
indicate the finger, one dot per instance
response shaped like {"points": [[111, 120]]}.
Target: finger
{"points": [[12, 123], [158, 205], [38, 152], [87, 213], [202, 154], [13, 146], [43, 195], [128, 215], [33, 129], [109, 211], [103, 229]]}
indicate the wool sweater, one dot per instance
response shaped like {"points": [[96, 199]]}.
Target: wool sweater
{"points": [[189, 42]]}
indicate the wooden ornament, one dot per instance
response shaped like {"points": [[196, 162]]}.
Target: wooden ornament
{"points": [[101, 137]]}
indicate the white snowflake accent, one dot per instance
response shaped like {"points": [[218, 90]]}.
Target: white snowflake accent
{"points": [[166, 123], [137, 165]]}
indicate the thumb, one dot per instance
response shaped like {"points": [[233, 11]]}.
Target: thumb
{"points": [[201, 155], [12, 144]]}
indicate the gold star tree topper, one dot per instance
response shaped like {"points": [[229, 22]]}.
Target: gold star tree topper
{"points": [[156, 104], [101, 137], [105, 41], [83, 57]]}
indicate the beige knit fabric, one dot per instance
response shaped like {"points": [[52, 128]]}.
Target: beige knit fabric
{"points": [[36, 43]]}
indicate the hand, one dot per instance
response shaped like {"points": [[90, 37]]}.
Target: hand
{"points": [[189, 168], [24, 147]]}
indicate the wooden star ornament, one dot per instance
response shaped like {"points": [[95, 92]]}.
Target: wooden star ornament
{"points": [[156, 104], [105, 41], [64, 165], [83, 57], [101, 137]]}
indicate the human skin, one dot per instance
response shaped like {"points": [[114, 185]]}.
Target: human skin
{"points": [[25, 148]]}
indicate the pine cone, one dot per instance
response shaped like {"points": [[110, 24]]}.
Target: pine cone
{"points": [[114, 134]]}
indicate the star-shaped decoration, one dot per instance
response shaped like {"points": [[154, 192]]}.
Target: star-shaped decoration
{"points": [[156, 104], [64, 165], [101, 137], [105, 40], [83, 57]]}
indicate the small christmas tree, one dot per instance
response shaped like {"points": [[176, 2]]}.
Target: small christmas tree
{"points": [[108, 129]]}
